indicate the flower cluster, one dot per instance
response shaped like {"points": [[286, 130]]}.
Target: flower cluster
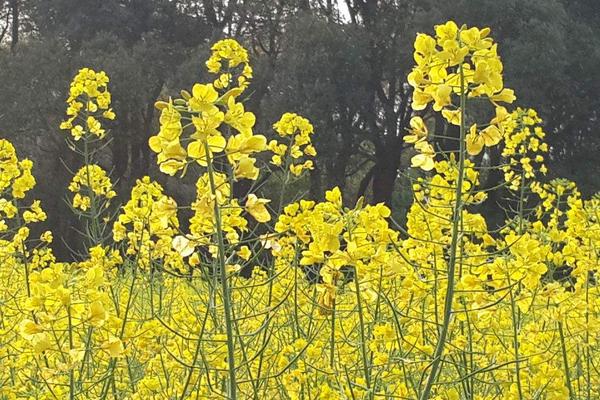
{"points": [[16, 180], [15, 174], [455, 65], [70, 320], [231, 218], [203, 223], [335, 243], [88, 103], [233, 55], [171, 156], [310, 300], [524, 147], [148, 222], [296, 132], [220, 124], [90, 178]]}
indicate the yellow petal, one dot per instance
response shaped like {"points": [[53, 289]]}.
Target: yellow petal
{"points": [[97, 314], [452, 116], [474, 143], [420, 99], [423, 161], [216, 143], [505, 96], [113, 346], [491, 135], [418, 126], [256, 208], [28, 329], [441, 96], [245, 169], [182, 245]]}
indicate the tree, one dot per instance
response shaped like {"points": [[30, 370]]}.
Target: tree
{"points": [[342, 64], [551, 49], [14, 13], [350, 78]]}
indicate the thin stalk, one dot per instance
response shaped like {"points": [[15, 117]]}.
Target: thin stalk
{"points": [[332, 339], [92, 223], [113, 362], [514, 311], [565, 360], [86, 353], [515, 324], [456, 218], [363, 349], [71, 374], [587, 338], [232, 386], [195, 359]]}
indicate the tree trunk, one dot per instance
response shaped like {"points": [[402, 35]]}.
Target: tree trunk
{"points": [[364, 183], [305, 5], [316, 190], [341, 160], [385, 170], [120, 150], [148, 119], [498, 197], [14, 10]]}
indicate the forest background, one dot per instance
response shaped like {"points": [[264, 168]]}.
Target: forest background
{"points": [[342, 64]]}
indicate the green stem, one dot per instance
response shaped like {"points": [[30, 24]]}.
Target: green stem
{"points": [[113, 362], [92, 223], [71, 375], [565, 360], [232, 385], [514, 311], [515, 327], [456, 218], [332, 339], [362, 335], [195, 359], [587, 336]]}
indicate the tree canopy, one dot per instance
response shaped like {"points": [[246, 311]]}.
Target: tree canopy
{"points": [[342, 64]]}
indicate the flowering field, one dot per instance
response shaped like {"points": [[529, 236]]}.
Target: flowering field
{"points": [[254, 298]]}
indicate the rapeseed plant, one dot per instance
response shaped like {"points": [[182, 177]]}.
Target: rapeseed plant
{"points": [[307, 300]]}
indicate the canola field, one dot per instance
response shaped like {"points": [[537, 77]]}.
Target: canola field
{"points": [[258, 298]]}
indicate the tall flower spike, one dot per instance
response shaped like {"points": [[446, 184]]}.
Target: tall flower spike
{"points": [[456, 60], [88, 104]]}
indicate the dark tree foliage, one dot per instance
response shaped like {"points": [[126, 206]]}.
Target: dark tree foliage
{"points": [[342, 64]]}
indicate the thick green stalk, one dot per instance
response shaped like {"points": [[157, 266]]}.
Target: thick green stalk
{"points": [[515, 327], [565, 360], [92, 223], [71, 374], [113, 362], [232, 385], [456, 218], [363, 348]]}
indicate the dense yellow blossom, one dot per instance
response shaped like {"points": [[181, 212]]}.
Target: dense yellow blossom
{"points": [[147, 222], [88, 103], [458, 63], [90, 178], [251, 298], [220, 123], [294, 152]]}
